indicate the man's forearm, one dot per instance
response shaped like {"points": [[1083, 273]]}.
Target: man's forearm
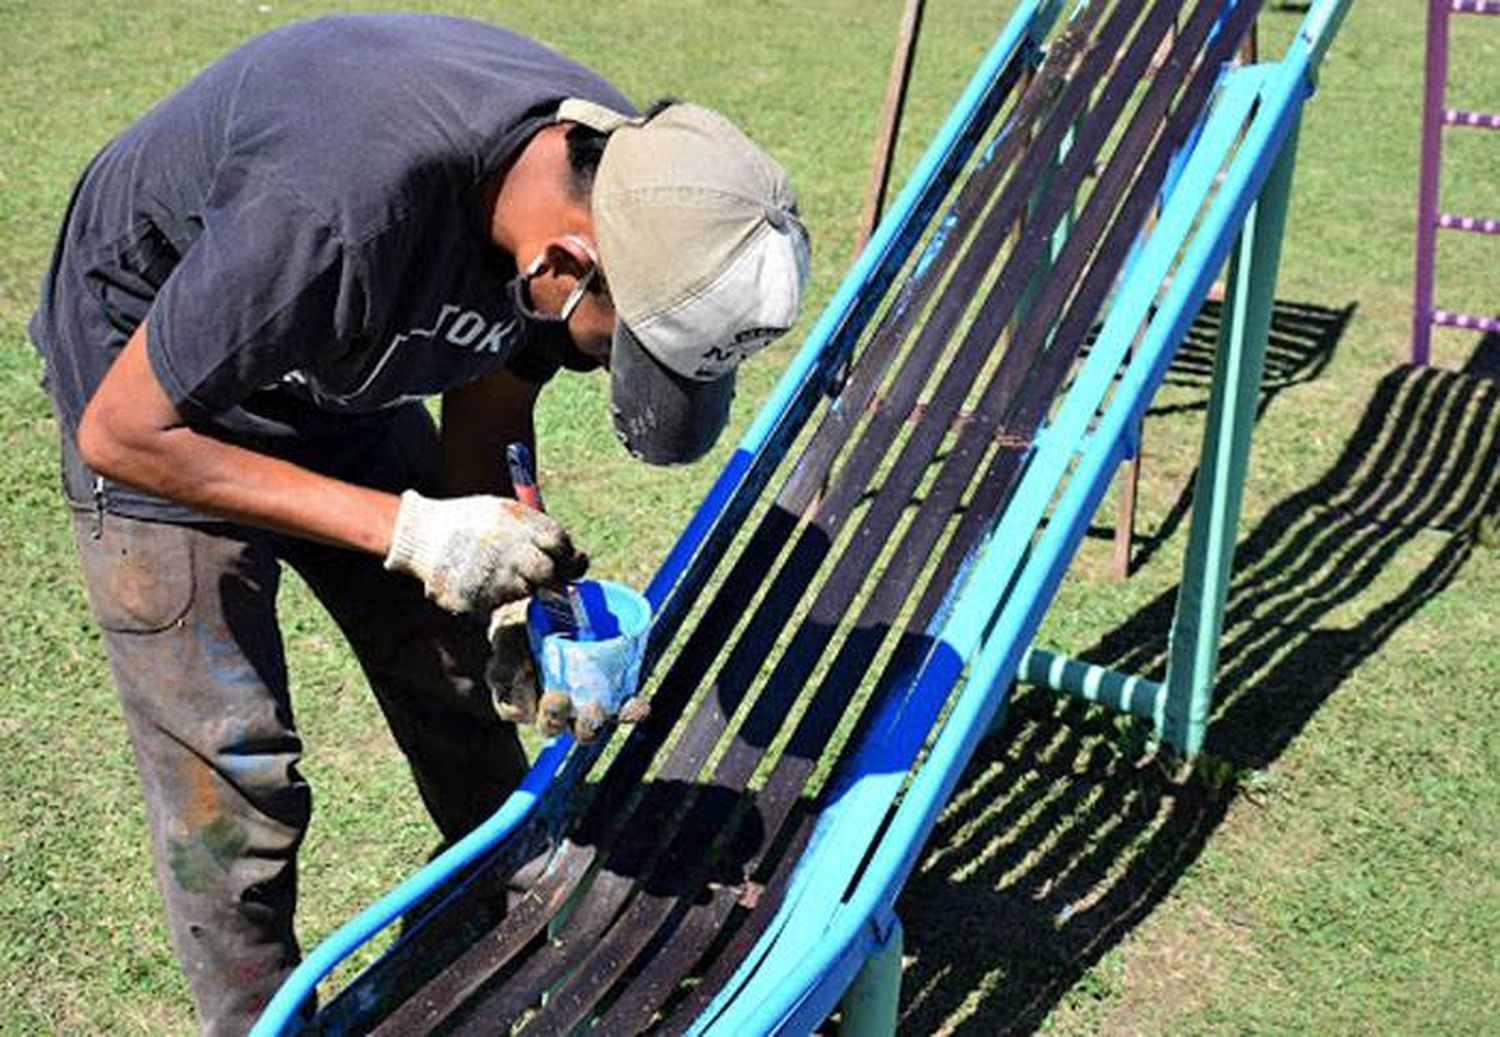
{"points": [[132, 433], [244, 486]]}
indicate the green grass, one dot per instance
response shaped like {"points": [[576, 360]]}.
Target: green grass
{"points": [[1343, 880]]}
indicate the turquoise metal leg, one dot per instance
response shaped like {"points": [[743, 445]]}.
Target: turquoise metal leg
{"points": [[871, 1005], [1179, 706], [1251, 291]]}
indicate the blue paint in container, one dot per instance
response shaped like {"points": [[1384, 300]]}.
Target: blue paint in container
{"points": [[603, 664]]}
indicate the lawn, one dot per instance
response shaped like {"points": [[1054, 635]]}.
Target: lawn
{"points": [[1335, 868]]}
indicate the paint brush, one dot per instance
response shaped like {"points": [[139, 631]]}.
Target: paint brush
{"points": [[564, 607]]}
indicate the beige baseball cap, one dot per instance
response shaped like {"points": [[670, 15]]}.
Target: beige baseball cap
{"points": [[705, 258]]}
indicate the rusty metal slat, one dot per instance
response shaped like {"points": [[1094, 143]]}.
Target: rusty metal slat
{"points": [[429, 1006]]}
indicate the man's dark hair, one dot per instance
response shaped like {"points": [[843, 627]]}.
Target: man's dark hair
{"points": [[586, 148]]}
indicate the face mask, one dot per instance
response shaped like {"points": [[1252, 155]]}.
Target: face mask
{"points": [[555, 343]]}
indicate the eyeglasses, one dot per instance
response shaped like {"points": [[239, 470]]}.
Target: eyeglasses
{"points": [[520, 290]]}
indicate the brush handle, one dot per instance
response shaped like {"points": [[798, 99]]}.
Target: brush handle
{"points": [[523, 476], [561, 604]]}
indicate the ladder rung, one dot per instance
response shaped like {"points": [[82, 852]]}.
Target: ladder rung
{"points": [[1474, 6], [1476, 224], [1460, 117], [1449, 319]]}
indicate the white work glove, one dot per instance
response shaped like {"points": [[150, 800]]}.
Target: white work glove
{"points": [[474, 553], [517, 695]]}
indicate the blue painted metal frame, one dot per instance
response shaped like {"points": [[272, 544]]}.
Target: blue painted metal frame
{"points": [[692, 558], [280, 1015], [808, 966]]}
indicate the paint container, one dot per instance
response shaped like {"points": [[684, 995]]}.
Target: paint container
{"points": [[600, 668]]}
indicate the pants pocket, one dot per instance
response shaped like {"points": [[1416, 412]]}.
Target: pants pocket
{"points": [[139, 574]]}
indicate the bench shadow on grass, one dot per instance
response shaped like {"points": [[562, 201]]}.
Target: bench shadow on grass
{"points": [[1065, 835], [1299, 347]]}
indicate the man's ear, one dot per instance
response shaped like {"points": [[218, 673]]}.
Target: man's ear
{"points": [[570, 254]]}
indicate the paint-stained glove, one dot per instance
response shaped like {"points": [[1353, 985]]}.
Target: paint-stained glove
{"points": [[558, 711], [511, 671], [517, 694], [475, 553]]}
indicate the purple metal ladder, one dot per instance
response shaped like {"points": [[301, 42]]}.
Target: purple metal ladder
{"points": [[1429, 218]]}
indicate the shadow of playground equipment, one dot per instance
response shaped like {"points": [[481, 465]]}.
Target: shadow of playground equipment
{"points": [[1064, 835], [1300, 345]]}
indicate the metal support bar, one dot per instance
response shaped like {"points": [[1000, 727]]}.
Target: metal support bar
{"points": [[1467, 321], [1477, 120], [890, 119], [871, 1005], [1193, 648], [1435, 79], [1123, 692], [1130, 481], [1473, 224]]}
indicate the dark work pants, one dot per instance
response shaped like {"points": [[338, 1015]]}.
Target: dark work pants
{"points": [[188, 616]]}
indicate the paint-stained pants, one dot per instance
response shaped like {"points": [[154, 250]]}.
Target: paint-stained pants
{"points": [[188, 616]]}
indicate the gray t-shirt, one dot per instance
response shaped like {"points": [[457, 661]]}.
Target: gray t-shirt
{"points": [[303, 227]]}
